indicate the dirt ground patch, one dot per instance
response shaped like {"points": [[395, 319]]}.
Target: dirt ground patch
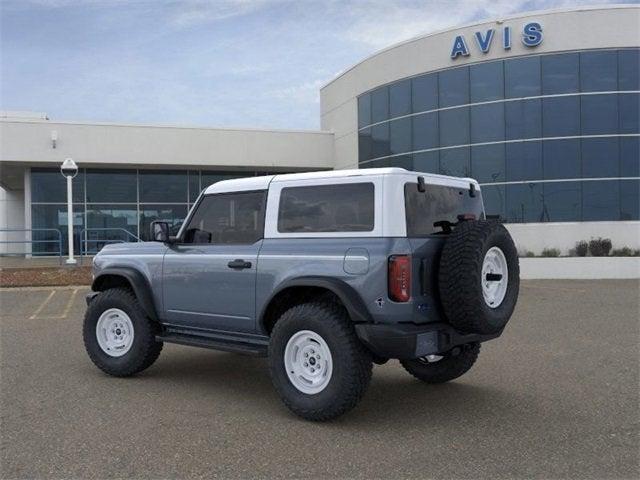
{"points": [[45, 276]]}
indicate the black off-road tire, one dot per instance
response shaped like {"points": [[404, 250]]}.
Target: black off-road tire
{"points": [[144, 349], [460, 277], [352, 363], [450, 367]]}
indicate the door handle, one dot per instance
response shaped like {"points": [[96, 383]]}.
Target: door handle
{"points": [[239, 264]]}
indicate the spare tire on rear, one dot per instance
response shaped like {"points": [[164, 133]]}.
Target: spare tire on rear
{"points": [[479, 277]]}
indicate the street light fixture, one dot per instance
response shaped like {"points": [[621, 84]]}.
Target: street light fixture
{"points": [[69, 169]]}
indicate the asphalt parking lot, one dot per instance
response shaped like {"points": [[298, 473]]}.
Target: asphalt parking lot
{"points": [[556, 396]]}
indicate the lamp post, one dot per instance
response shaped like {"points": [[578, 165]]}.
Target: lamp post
{"points": [[69, 169]]}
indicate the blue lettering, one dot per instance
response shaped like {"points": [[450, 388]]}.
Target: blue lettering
{"points": [[459, 47], [532, 34], [485, 43], [506, 38]]}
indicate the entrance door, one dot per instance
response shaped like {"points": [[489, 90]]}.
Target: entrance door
{"points": [[209, 275]]}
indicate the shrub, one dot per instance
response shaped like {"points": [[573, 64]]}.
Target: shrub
{"points": [[582, 248], [625, 252], [600, 247], [550, 252], [526, 253]]}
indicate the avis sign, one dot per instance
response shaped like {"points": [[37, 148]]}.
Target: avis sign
{"points": [[531, 37]]}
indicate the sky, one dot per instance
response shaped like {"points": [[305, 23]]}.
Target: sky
{"points": [[217, 63]]}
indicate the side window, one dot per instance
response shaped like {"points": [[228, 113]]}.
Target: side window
{"points": [[347, 207], [228, 218]]}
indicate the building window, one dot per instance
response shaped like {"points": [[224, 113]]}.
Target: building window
{"points": [[380, 105], [454, 87], [425, 131], [104, 186], [486, 81], [424, 93], [560, 73], [522, 77], [400, 98], [364, 110], [599, 71]]}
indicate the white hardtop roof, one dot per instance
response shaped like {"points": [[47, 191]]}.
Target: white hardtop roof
{"points": [[262, 183]]}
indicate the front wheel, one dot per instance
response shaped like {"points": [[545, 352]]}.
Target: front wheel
{"points": [[443, 368], [318, 366], [118, 336]]}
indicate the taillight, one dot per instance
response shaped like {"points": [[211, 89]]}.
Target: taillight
{"points": [[400, 278]]}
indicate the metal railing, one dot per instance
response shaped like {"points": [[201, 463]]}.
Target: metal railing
{"points": [[85, 240], [32, 242]]}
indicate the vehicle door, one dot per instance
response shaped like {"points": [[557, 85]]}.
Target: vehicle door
{"points": [[209, 274]]}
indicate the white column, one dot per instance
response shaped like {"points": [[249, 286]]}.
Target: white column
{"points": [[70, 260]]}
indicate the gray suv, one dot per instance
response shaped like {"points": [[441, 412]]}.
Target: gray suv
{"points": [[324, 273]]}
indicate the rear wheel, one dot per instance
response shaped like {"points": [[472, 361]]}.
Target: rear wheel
{"points": [[118, 336], [443, 368], [318, 366]]}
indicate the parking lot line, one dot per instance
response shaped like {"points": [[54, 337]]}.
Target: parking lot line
{"points": [[42, 305]]}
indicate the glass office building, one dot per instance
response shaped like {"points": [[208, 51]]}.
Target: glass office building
{"points": [[551, 137], [112, 205]]}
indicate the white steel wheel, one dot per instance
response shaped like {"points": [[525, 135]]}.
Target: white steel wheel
{"points": [[114, 332], [308, 362], [495, 277]]}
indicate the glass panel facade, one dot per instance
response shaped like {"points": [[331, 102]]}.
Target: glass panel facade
{"points": [[117, 201], [164, 186], [583, 123]]}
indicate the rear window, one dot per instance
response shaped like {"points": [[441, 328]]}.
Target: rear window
{"points": [[437, 203], [346, 207]]}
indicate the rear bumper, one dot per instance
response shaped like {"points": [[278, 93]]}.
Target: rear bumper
{"points": [[405, 341]]}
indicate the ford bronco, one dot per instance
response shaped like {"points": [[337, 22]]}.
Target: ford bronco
{"points": [[325, 273]]}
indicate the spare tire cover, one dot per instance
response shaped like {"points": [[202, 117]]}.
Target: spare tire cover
{"points": [[479, 277]]}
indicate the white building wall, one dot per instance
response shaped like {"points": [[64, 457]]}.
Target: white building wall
{"points": [[29, 142], [535, 237], [11, 217]]}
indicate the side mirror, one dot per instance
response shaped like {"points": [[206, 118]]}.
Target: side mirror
{"points": [[160, 231]]}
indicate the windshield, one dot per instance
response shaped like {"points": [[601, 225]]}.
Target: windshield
{"points": [[437, 203]]}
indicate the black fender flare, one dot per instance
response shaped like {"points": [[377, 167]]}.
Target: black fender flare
{"points": [[345, 292], [138, 282]]}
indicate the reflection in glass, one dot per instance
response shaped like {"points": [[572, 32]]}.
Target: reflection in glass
{"points": [[599, 71], [524, 203], [428, 162], [630, 157], [599, 114], [522, 77], [523, 161], [55, 216], [112, 186], [380, 104], [400, 98], [600, 157], [454, 126], [49, 186], [629, 112], [561, 116], [424, 92], [487, 163], [380, 140], [364, 110], [629, 199], [562, 201], [487, 123], [164, 186], [400, 135], [454, 87], [365, 145], [173, 214], [493, 197], [629, 69], [425, 131], [109, 224], [523, 119], [601, 200], [487, 81], [455, 162], [560, 73], [561, 159]]}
